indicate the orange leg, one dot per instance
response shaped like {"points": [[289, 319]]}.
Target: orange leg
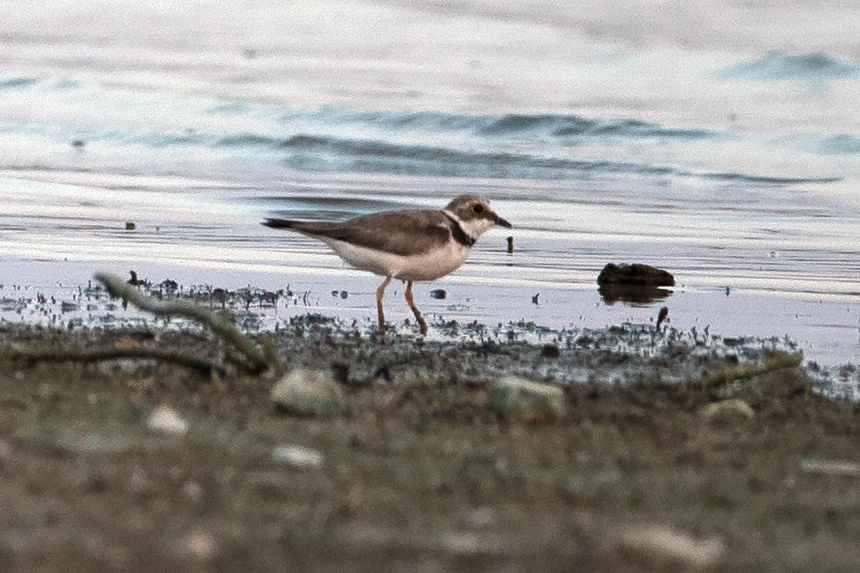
{"points": [[411, 302], [380, 293]]}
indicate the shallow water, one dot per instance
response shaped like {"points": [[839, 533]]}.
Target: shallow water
{"points": [[721, 142]]}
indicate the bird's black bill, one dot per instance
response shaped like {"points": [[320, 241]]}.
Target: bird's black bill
{"points": [[503, 223], [278, 223]]}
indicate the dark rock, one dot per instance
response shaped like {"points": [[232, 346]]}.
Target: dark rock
{"points": [[135, 281], [584, 341], [550, 351], [635, 284], [340, 372], [632, 294], [634, 275], [383, 372], [438, 293]]}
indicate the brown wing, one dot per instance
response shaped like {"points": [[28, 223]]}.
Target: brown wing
{"points": [[399, 232]]}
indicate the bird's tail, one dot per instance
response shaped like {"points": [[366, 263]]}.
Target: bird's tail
{"points": [[311, 228]]}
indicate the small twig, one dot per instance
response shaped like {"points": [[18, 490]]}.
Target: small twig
{"points": [[246, 353], [730, 374], [98, 354]]}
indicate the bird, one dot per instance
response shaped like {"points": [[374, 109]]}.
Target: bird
{"points": [[409, 245]]}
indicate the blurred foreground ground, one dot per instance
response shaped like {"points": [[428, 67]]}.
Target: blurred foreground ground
{"points": [[419, 473]]}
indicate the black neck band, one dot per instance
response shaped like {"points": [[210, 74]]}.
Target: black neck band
{"points": [[458, 233]]}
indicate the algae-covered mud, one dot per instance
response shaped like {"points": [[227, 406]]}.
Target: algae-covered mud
{"points": [[644, 351]]}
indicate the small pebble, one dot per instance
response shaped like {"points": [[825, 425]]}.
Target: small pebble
{"points": [[438, 293], [138, 481], [5, 452], [200, 544], [465, 543], [662, 541], [831, 467], [520, 400], [299, 456], [309, 393], [727, 409], [192, 491], [662, 316], [480, 517], [167, 420], [550, 351]]}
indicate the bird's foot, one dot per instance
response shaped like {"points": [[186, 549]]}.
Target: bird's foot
{"points": [[422, 325]]}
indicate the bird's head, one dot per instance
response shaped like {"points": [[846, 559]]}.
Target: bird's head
{"points": [[475, 214]]}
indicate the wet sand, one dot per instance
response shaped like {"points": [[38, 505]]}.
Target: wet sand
{"points": [[754, 275], [824, 328]]}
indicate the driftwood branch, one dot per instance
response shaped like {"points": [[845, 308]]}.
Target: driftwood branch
{"points": [[241, 350], [87, 355], [237, 349], [780, 361]]}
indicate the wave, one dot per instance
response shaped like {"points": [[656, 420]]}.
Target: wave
{"points": [[329, 154], [505, 146], [248, 140], [779, 65], [326, 128], [333, 153], [563, 126], [764, 180], [842, 144], [481, 159], [16, 83], [553, 126]]}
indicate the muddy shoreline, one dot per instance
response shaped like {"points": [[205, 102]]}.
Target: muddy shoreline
{"points": [[639, 472]]}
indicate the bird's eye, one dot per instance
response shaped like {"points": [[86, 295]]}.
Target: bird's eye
{"points": [[477, 209]]}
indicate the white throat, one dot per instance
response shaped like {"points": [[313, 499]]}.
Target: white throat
{"points": [[474, 228]]}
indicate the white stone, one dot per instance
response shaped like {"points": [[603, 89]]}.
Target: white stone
{"points": [[521, 400], [673, 544], [727, 408], [167, 420], [832, 467], [309, 393], [201, 545], [298, 456]]}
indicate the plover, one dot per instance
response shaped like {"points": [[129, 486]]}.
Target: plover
{"points": [[410, 245]]}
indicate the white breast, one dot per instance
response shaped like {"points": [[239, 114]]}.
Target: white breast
{"points": [[425, 267]]}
